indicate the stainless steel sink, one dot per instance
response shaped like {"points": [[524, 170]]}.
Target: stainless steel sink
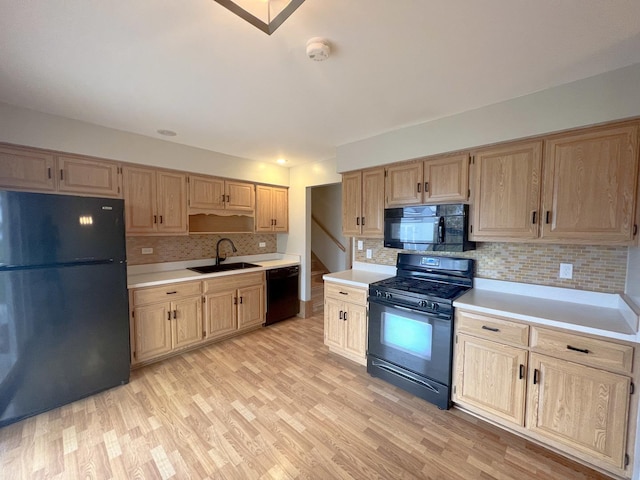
{"points": [[223, 268]]}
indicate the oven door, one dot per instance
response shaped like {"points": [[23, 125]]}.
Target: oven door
{"points": [[412, 340]]}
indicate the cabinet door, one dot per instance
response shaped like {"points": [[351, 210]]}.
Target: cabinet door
{"points": [[491, 377], [582, 407], [446, 179], [81, 175], [589, 186], [280, 206], [251, 307], [264, 208], [187, 321], [334, 324], [220, 313], [26, 169], [404, 185], [140, 200], [152, 326], [206, 192], [356, 330], [507, 193], [351, 203], [373, 203], [240, 196], [172, 202]]}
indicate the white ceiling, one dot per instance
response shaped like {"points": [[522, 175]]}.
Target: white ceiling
{"points": [[223, 85]]}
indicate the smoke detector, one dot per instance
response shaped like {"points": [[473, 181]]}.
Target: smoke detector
{"points": [[318, 49]]}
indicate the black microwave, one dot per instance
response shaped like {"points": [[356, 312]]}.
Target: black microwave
{"points": [[429, 228]]}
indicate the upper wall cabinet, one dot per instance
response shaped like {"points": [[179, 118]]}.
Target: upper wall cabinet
{"points": [[211, 193], [25, 169], [506, 192], [587, 196], [435, 180], [155, 201], [272, 209], [363, 203], [590, 184], [80, 175]]}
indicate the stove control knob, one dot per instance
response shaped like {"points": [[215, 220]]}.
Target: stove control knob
{"points": [[423, 303], [387, 295], [378, 293], [434, 306]]}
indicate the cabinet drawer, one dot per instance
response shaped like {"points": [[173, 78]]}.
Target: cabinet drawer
{"points": [[491, 328], [346, 293], [231, 282], [584, 350], [165, 293]]}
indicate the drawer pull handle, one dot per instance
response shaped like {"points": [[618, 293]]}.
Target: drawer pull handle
{"points": [[575, 349], [521, 371], [344, 316], [419, 185], [344, 293], [169, 315], [340, 315], [536, 373], [175, 314], [491, 329], [171, 293]]}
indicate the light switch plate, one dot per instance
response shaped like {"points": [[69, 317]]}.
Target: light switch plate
{"points": [[368, 253], [566, 270], [262, 244], [147, 251], [360, 245]]}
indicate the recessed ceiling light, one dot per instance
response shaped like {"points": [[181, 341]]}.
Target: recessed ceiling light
{"points": [[167, 133], [281, 161]]}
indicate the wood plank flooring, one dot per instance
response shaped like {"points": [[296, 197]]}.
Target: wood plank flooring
{"points": [[272, 404]]}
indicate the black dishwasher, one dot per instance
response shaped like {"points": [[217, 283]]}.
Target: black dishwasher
{"points": [[282, 293]]}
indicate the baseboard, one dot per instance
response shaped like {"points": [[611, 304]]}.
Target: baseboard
{"points": [[306, 308]]}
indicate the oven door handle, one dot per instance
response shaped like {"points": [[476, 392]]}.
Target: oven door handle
{"points": [[390, 369], [438, 316]]}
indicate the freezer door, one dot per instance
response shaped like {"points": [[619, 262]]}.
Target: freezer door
{"points": [[64, 335], [45, 229]]}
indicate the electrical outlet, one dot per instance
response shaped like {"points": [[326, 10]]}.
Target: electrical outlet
{"points": [[262, 244], [368, 253], [147, 251], [360, 244], [566, 270]]}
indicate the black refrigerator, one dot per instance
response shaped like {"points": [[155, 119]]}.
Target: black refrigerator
{"points": [[64, 322]]}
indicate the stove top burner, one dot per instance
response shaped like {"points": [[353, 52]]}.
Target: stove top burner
{"points": [[422, 287]]}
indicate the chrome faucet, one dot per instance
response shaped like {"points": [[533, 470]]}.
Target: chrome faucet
{"points": [[233, 247]]}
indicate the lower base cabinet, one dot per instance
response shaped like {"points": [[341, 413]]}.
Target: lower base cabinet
{"points": [[165, 319], [178, 316], [345, 321], [565, 390]]}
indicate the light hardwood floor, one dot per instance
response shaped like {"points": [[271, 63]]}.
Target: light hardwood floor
{"points": [[270, 404]]}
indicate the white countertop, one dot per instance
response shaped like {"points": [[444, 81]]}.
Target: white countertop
{"points": [[170, 272], [361, 275], [607, 315]]}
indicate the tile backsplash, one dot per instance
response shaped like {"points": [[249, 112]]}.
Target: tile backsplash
{"points": [[194, 247], [595, 268]]}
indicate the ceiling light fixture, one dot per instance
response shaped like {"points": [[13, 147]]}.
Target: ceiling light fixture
{"points": [[266, 15], [281, 161]]}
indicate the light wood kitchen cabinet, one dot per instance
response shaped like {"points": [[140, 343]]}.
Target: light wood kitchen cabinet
{"points": [[582, 407], [582, 191], [433, 180], [155, 201], [78, 175], [363, 203], [562, 389], [590, 185], [24, 169], [234, 303], [165, 319], [506, 192], [272, 209], [345, 321], [212, 193]]}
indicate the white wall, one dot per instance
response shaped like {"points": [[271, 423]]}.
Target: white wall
{"points": [[610, 96], [299, 239], [326, 206], [35, 129]]}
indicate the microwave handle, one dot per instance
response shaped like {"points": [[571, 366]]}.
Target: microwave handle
{"points": [[441, 230]]}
